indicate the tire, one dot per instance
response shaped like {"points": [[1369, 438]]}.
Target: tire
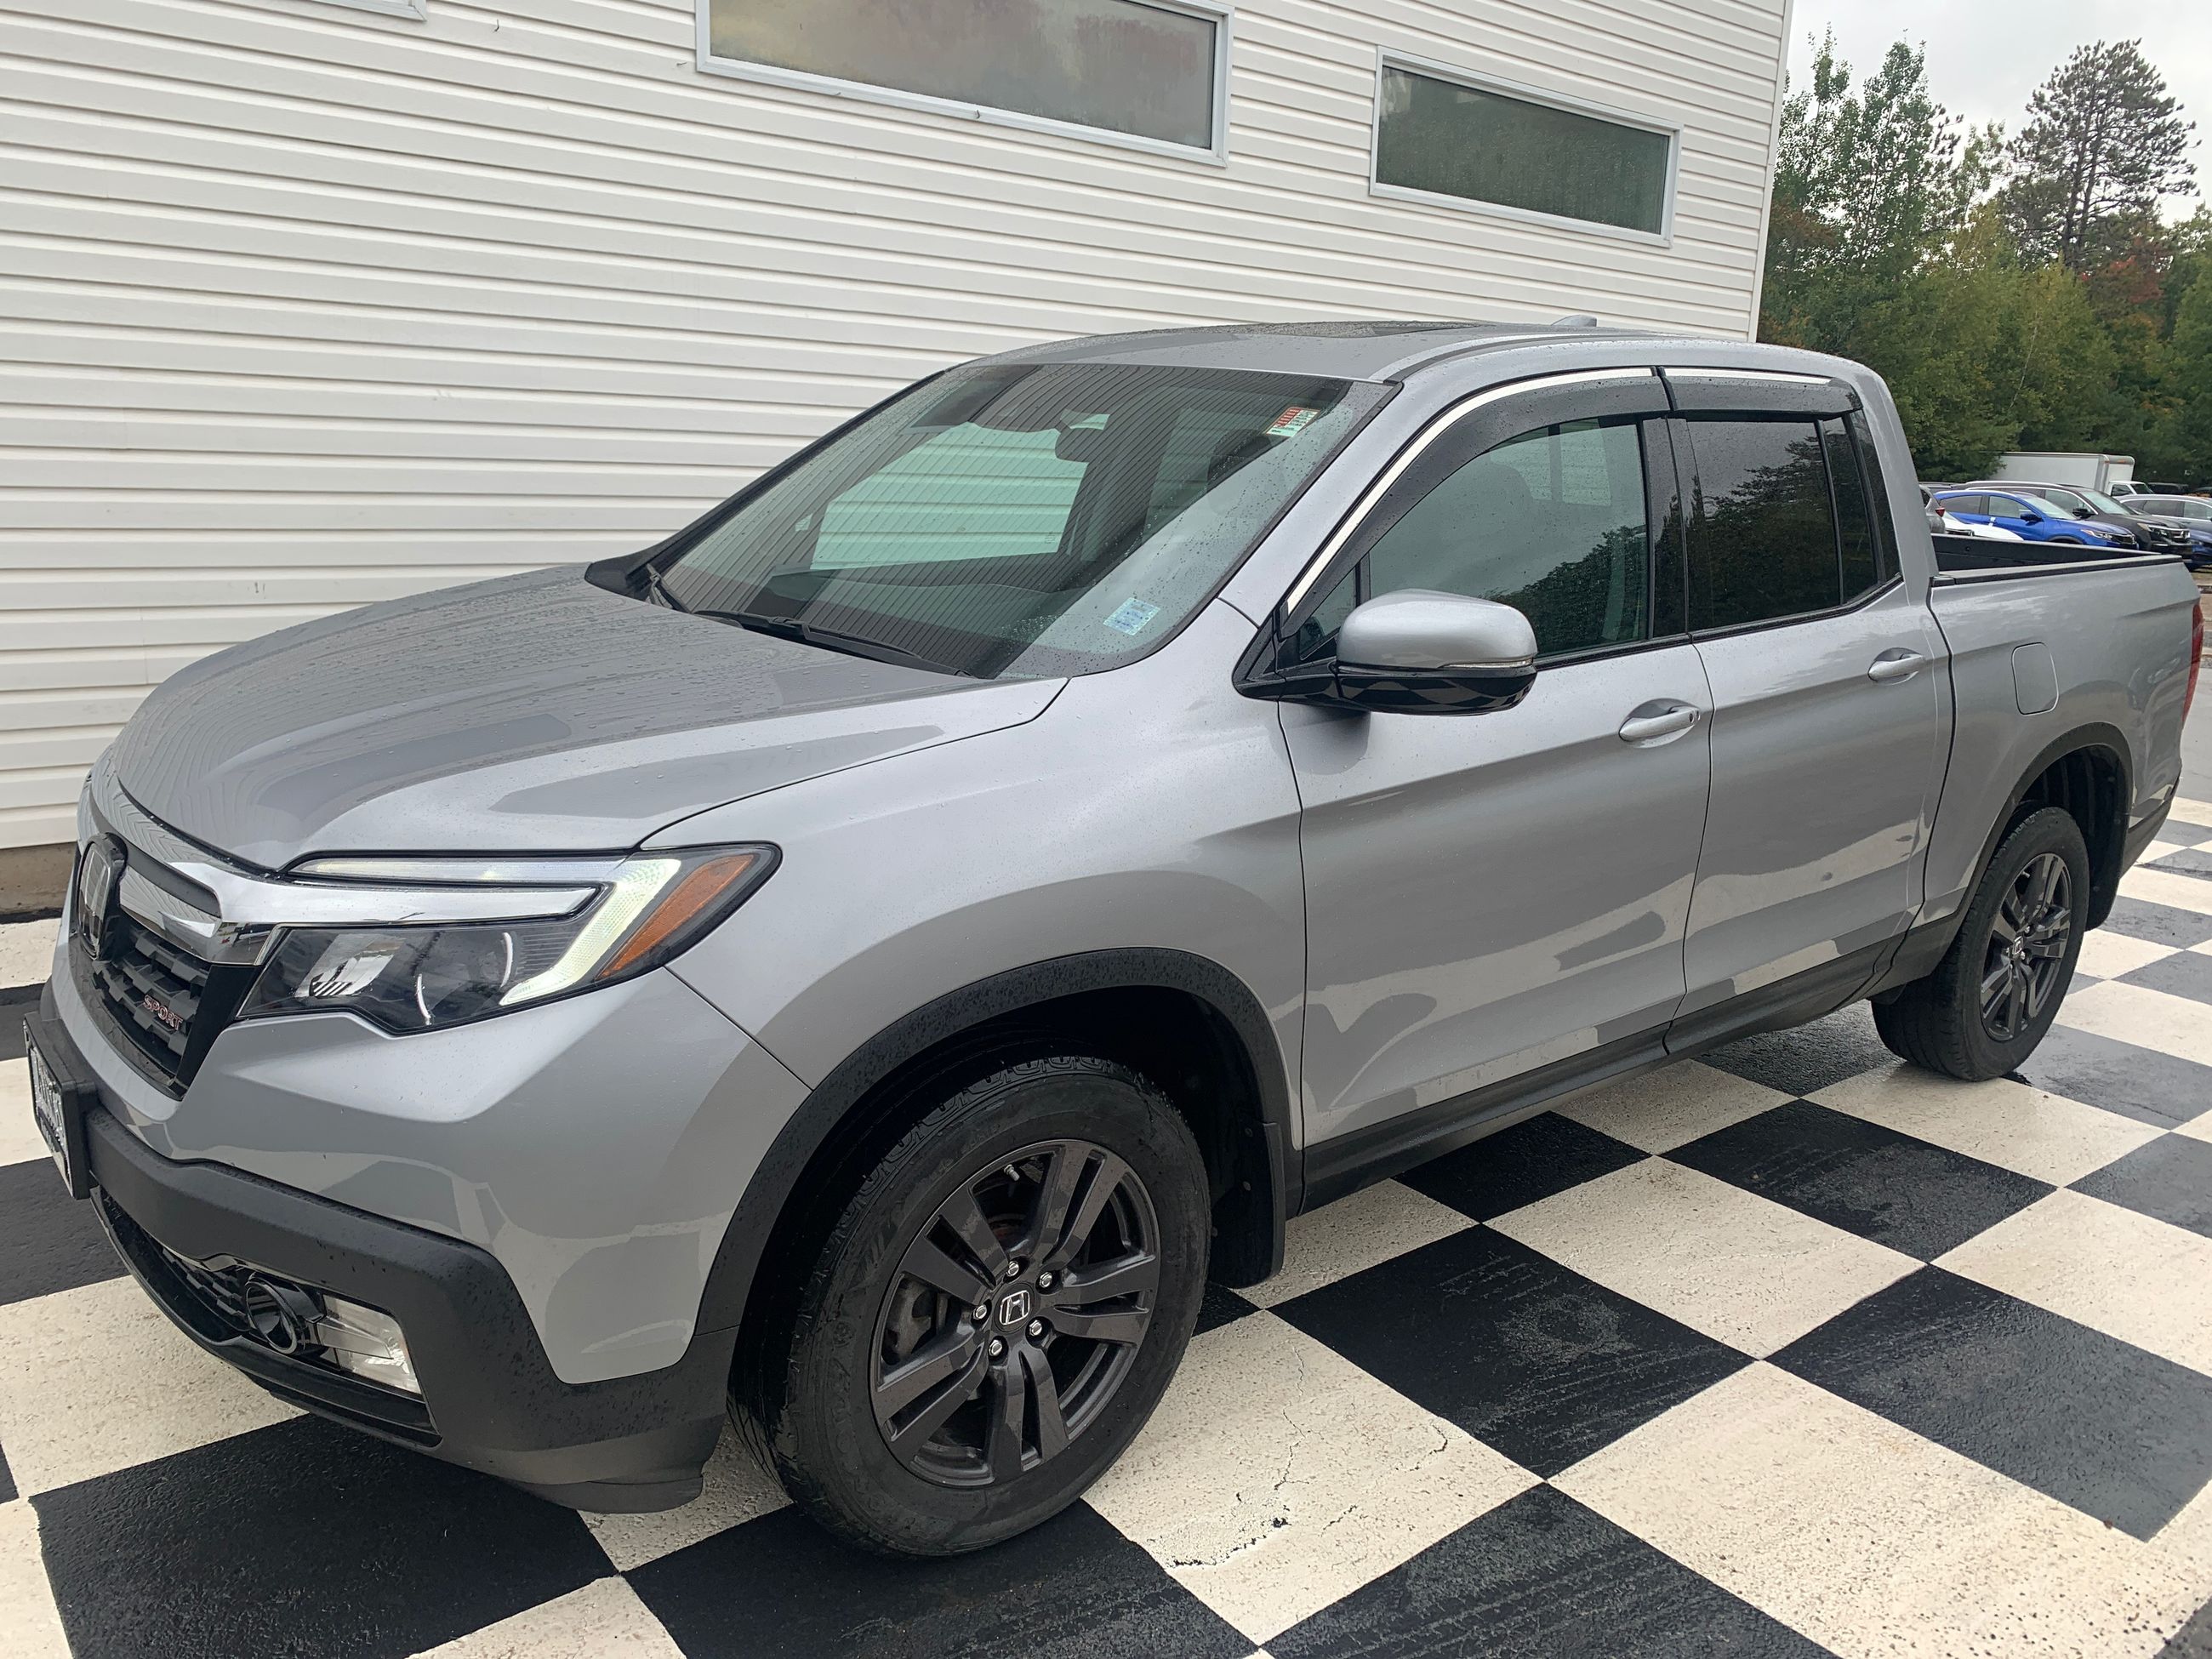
{"points": [[1953, 1021], [1004, 1178]]}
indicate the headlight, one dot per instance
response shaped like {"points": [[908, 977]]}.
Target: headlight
{"points": [[413, 977]]}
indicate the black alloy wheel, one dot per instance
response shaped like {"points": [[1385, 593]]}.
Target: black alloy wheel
{"points": [[1016, 1314], [2025, 961], [992, 1309], [1986, 1005]]}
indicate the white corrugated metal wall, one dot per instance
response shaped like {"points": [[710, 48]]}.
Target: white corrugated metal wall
{"points": [[303, 305]]}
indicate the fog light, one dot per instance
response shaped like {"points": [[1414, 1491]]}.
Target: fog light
{"points": [[367, 1343]]}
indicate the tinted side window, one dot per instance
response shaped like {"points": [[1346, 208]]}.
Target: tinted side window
{"points": [[1884, 538], [1763, 542], [1854, 523], [1552, 523]]}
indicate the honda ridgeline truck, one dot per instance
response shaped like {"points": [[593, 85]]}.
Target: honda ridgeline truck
{"points": [[865, 961]]}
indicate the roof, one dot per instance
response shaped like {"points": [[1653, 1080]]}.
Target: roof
{"points": [[1351, 351]]}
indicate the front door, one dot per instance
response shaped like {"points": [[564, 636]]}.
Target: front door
{"points": [[1495, 894], [1827, 740]]}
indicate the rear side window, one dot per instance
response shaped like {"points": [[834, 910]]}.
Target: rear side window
{"points": [[1763, 542]]}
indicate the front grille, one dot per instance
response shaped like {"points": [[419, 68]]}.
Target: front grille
{"points": [[152, 992]]}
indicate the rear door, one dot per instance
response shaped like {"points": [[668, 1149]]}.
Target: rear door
{"points": [[1826, 738]]}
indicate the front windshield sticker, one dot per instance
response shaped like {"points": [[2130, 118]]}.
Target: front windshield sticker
{"points": [[1292, 420], [1131, 618]]}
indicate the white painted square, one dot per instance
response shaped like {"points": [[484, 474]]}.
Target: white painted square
{"points": [[1276, 1477], [1739, 1267], [96, 1379], [20, 1139], [2107, 956], [2170, 887], [27, 951], [603, 1620], [2131, 1276], [30, 1626], [1353, 1234], [1657, 1111], [2009, 1124], [735, 1490], [2150, 1019], [1872, 1540]]}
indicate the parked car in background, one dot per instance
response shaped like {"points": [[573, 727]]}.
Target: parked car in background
{"points": [[2137, 487], [2088, 505], [2191, 515], [2031, 518], [870, 958]]}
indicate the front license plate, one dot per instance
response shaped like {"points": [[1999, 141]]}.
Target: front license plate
{"points": [[60, 1118]]}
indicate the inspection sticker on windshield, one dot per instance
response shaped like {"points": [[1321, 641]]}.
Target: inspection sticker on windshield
{"points": [[1292, 420], [1131, 618]]}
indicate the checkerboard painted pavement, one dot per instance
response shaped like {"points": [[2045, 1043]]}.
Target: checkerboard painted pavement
{"points": [[1787, 1352]]}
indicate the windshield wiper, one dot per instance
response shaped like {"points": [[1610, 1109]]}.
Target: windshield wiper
{"points": [[656, 586], [829, 639]]}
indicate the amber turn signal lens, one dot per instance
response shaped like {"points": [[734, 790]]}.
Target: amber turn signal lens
{"points": [[699, 891]]}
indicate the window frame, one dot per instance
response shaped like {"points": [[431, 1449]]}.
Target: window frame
{"points": [[1567, 103], [1219, 13]]}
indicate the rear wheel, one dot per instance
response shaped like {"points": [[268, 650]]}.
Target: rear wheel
{"points": [[1998, 987], [996, 1312]]}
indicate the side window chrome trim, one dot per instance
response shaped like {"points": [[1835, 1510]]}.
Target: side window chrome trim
{"points": [[1369, 497], [1773, 377]]}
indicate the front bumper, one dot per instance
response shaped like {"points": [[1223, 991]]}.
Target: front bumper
{"points": [[490, 1400]]}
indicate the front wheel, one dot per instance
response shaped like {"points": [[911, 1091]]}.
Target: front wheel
{"points": [[1997, 989], [996, 1312]]}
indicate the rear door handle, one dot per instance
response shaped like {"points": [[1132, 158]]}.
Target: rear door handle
{"points": [[1655, 722], [1895, 665]]}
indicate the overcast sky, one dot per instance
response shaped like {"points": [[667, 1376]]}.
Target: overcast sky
{"points": [[1985, 57]]}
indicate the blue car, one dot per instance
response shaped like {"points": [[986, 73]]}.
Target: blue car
{"points": [[2030, 518]]}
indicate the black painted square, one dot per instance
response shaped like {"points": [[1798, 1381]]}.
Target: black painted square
{"points": [[49, 1241], [7, 1494], [2144, 1084], [2183, 826], [1530, 1161], [1539, 1577], [1808, 1058], [302, 1538], [2159, 924], [1868, 1180], [1531, 1359], [2170, 1178], [2189, 862], [1072, 1589], [2117, 1432], [1220, 1306], [2184, 974], [2193, 1640]]}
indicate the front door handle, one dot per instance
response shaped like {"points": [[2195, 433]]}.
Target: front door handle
{"points": [[1655, 722], [1895, 665]]}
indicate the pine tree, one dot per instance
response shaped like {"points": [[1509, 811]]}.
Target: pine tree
{"points": [[2104, 140]]}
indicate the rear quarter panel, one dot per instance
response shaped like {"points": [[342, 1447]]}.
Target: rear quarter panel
{"points": [[2119, 638]]}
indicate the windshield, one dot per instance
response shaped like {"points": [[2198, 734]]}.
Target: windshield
{"points": [[2100, 502], [1026, 520]]}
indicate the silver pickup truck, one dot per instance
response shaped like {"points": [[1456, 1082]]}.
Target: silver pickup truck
{"points": [[869, 957]]}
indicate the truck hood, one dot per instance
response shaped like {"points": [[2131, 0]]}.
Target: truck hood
{"points": [[533, 713]]}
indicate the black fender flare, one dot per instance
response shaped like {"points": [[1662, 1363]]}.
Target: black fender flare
{"points": [[731, 1278]]}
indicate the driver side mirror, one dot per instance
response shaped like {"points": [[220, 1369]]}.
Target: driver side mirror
{"points": [[2029, 515], [1421, 652]]}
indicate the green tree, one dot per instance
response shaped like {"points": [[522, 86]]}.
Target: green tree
{"points": [[1869, 183], [2104, 140]]}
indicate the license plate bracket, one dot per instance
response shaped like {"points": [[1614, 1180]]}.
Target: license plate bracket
{"points": [[57, 1106]]}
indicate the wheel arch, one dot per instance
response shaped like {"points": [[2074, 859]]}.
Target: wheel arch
{"points": [[1240, 1103]]}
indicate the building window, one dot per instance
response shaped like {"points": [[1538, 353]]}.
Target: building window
{"points": [[1444, 138], [1151, 73]]}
